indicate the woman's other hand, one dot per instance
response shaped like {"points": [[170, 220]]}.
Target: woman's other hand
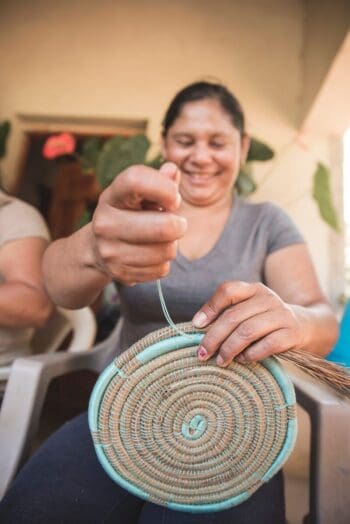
{"points": [[248, 322]]}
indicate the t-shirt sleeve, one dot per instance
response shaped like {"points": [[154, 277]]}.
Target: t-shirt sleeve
{"points": [[282, 231], [20, 220]]}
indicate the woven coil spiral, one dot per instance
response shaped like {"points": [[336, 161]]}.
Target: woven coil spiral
{"points": [[186, 434]]}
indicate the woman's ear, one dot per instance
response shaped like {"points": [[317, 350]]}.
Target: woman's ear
{"points": [[245, 145]]}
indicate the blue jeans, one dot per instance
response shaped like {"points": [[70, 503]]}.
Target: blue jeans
{"points": [[64, 483]]}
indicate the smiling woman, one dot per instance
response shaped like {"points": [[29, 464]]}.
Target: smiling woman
{"points": [[240, 269]]}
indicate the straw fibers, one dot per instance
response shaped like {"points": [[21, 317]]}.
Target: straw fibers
{"points": [[333, 375]]}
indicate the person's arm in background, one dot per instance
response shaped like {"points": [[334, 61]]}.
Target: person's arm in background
{"points": [[131, 239], [23, 300], [251, 321]]}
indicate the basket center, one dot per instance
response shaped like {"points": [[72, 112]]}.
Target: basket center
{"points": [[194, 429]]}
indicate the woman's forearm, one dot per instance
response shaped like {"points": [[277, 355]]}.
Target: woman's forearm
{"points": [[71, 278], [22, 305]]}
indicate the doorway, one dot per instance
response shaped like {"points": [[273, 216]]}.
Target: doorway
{"points": [[58, 189]]}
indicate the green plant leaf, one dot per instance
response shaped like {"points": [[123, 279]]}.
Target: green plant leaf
{"points": [[245, 184], [89, 153], [83, 220], [5, 128], [259, 151], [156, 162], [322, 194], [117, 154]]}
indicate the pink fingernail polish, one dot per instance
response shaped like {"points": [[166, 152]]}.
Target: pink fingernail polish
{"points": [[202, 352]]}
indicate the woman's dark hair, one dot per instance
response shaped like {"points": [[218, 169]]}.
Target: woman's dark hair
{"points": [[202, 91]]}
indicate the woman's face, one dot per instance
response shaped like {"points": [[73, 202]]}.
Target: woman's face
{"points": [[208, 149]]}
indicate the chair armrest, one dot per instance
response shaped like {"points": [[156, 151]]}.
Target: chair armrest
{"points": [[24, 397], [330, 449]]}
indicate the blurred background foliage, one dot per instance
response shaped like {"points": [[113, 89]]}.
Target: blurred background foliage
{"points": [[106, 159]]}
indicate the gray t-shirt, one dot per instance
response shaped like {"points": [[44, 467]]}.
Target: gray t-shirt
{"points": [[251, 233]]}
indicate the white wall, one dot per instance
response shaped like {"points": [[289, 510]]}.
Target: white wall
{"points": [[127, 59]]}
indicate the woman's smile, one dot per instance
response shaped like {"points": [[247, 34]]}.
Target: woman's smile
{"points": [[199, 178]]}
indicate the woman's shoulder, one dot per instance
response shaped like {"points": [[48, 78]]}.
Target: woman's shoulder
{"points": [[18, 219], [270, 222], [260, 210]]}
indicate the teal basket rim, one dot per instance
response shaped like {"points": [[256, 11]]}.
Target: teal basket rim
{"points": [[160, 348]]}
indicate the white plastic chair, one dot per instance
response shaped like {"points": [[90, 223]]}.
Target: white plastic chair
{"points": [[80, 323], [28, 379]]}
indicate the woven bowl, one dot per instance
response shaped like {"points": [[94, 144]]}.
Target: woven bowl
{"points": [[190, 435]]}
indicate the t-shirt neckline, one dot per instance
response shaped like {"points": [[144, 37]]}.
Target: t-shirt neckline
{"points": [[186, 263]]}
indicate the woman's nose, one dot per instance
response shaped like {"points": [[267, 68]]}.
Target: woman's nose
{"points": [[201, 154]]}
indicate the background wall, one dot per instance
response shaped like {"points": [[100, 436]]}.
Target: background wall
{"points": [[326, 22], [127, 59]]}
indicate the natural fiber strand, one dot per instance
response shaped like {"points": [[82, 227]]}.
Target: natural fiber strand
{"points": [[333, 375]]}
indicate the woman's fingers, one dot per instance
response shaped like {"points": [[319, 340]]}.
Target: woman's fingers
{"points": [[247, 333], [272, 344], [141, 183], [137, 227], [130, 255], [130, 275], [229, 321], [244, 320], [226, 295], [239, 339]]}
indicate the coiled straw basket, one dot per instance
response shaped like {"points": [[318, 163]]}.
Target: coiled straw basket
{"points": [[190, 435]]}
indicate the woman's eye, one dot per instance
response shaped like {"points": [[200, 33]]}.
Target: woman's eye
{"points": [[184, 143], [217, 145]]}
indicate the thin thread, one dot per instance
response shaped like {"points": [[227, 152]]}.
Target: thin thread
{"points": [[166, 312]]}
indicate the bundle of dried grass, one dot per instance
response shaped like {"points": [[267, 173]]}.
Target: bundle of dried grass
{"points": [[333, 375]]}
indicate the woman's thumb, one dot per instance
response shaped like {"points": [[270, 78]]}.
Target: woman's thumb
{"points": [[172, 171]]}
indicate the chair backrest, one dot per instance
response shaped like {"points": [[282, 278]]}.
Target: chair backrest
{"points": [[80, 323]]}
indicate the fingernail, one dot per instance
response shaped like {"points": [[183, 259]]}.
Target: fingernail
{"points": [[202, 353], [200, 319], [241, 359], [220, 361], [178, 200], [169, 169], [183, 222]]}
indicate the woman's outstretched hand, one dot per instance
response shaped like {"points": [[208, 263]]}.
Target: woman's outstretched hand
{"points": [[248, 322], [135, 227], [132, 238]]}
